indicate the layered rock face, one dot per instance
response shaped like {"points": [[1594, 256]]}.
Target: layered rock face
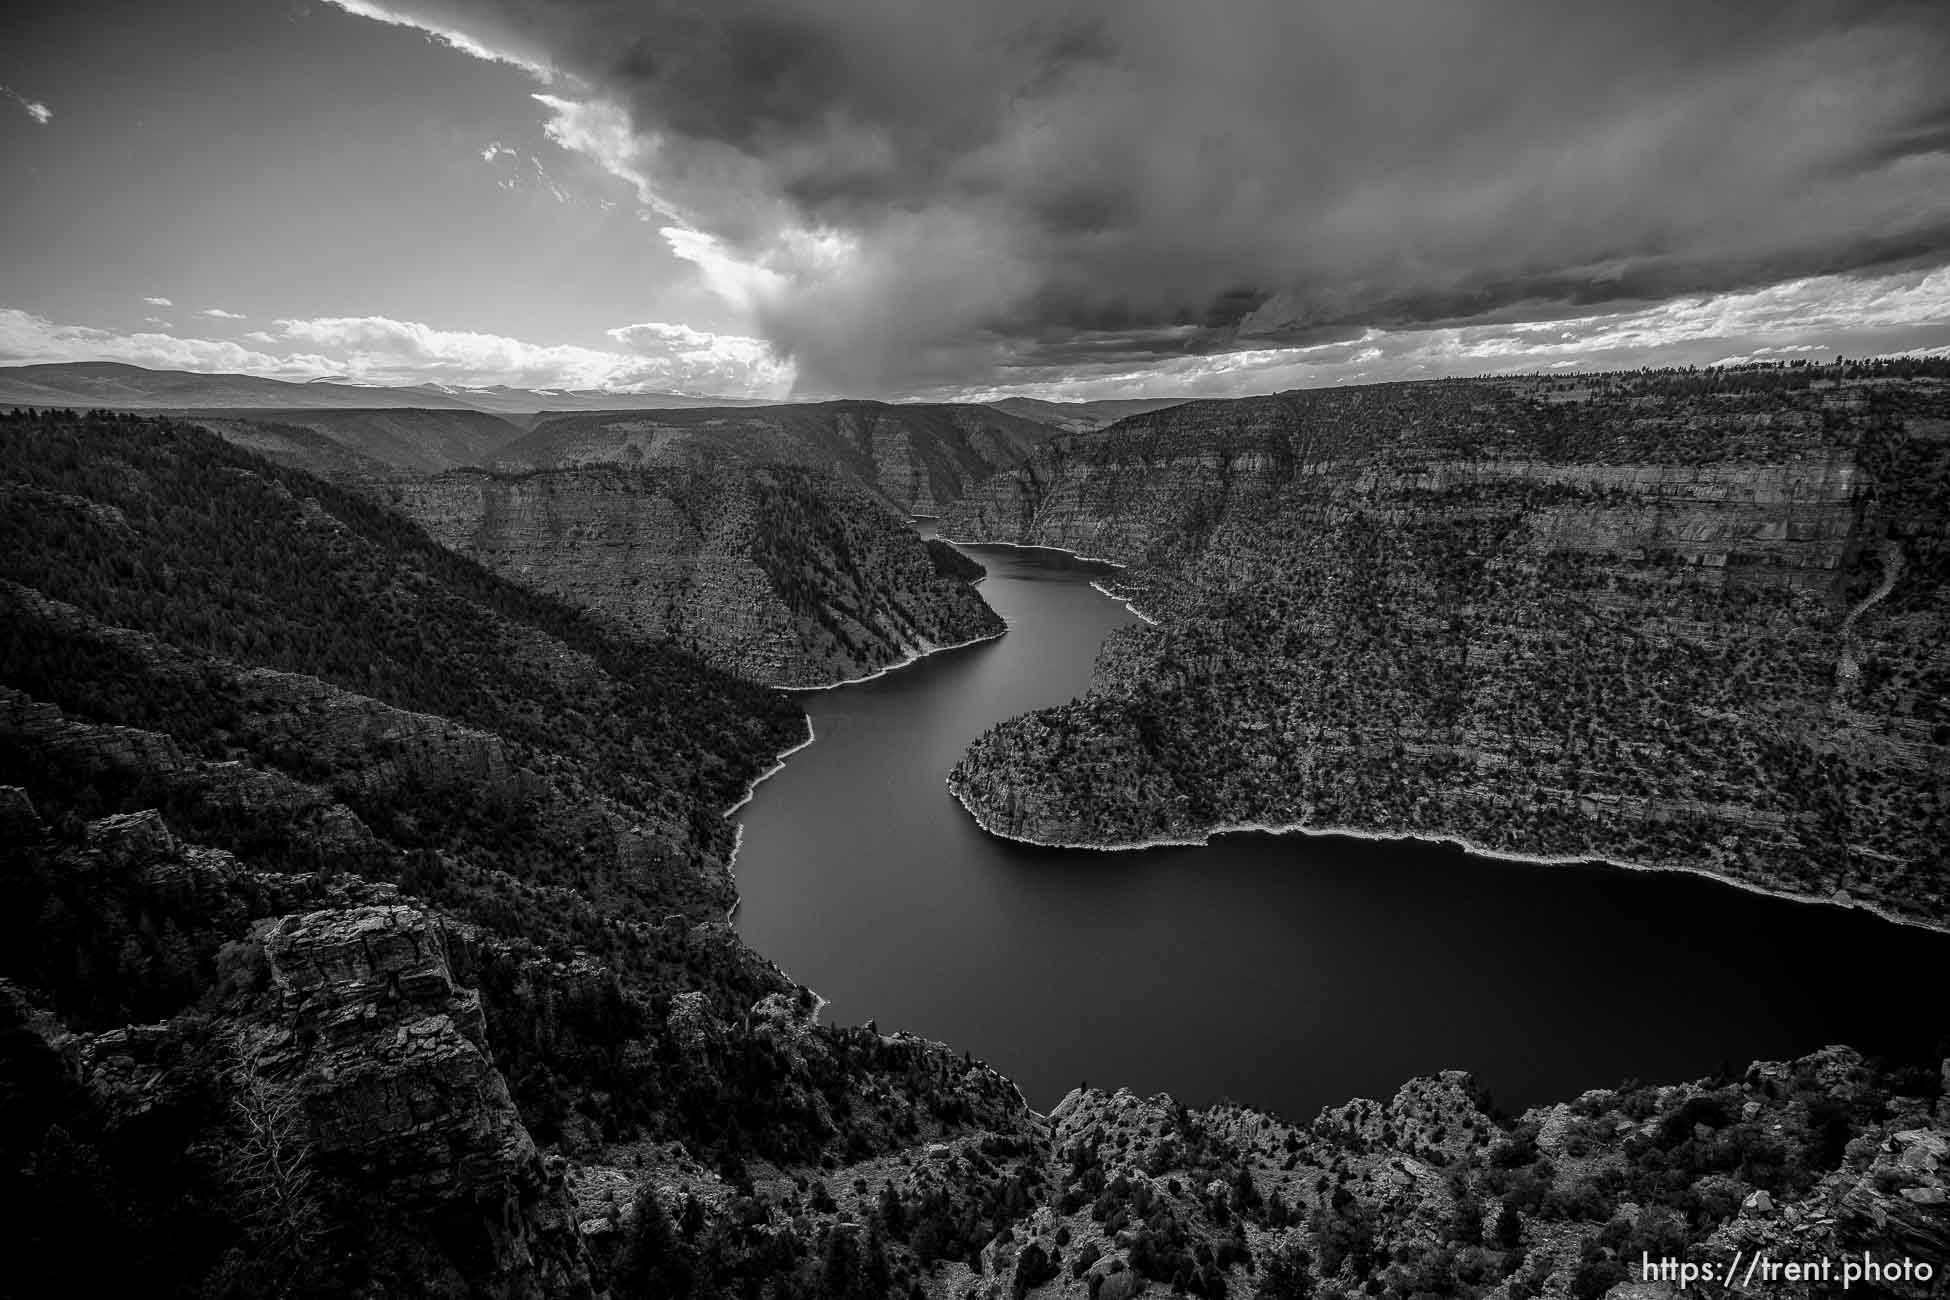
{"points": [[1667, 621], [776, 573], [392, 1063], [917, 456]]}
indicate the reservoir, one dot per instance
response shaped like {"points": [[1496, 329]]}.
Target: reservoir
{"points": [[1286, 972]]}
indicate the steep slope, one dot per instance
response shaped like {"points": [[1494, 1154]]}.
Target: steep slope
{"points": [[296, 447], [773, 572], [1678, 621], [916, 456]]}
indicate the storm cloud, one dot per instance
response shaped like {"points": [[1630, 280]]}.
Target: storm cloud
{"points": [[906, 195]]}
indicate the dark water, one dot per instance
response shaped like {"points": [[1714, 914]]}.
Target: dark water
{"points": [[1286, 972]]}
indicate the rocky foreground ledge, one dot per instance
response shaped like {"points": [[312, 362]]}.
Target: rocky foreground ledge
{"points": [[1691, 622]]}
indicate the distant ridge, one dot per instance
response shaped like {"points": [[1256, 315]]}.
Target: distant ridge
{"points": [[116, 386], [1082, 417], [919, 456]]}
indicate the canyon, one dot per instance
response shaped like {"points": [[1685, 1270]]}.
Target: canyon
{"points": [[362, 923], [1681, 621]]}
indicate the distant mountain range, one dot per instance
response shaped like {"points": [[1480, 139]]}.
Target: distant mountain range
{"points": [[121, 387], [1081, 417], [920, 456], [116, 386]]}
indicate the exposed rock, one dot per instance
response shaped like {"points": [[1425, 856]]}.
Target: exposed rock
{"points": [[1653, 620], [391, 1057]]}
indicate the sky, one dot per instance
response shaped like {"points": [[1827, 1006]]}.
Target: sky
{"points": [[922, 199]]}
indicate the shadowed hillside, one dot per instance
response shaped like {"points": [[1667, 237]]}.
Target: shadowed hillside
{"points": [[424, 441], [775, 572]]}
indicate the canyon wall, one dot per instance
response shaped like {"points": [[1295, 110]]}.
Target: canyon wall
{"points": [[919, 457], [776, 573], [1676, 621]]}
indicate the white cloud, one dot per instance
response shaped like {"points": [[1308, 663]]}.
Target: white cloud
{"points": [[218, 313], [159, 302], [535, 63], [496, 151], [158, 322], [651, 356], [381, 350], [27, 337], [33, 108], [603, 133]]}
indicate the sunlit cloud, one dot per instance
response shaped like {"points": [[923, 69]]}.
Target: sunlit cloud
{"points": [[535, 64], [159, 302], [649, 357], [218, 313], [27, 337], [378, 349], [33, 108]]}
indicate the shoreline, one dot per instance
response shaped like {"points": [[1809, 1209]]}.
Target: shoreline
{"points": [[1128, 604], [738, 831], [1204, 840], [1036, 546], [913, 657], [778, 763], [1095, 584], [1347, 832]]}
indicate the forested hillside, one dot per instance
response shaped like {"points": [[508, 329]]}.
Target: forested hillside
{"points": [[782, 574]]}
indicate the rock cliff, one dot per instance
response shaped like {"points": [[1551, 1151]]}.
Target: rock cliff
{"points": [[1678, 621], [777, 573]]}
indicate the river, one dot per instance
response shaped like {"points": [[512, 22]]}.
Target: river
{"points": [[1285, 972]]}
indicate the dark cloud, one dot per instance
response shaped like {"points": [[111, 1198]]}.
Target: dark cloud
{"points": [[1091, 178]]}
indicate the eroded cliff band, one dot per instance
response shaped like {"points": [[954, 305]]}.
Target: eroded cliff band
{"points": [[1603, 620]]}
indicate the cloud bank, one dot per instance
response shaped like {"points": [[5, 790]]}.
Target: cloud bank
{"points": [[651, 357], [906, 195]]}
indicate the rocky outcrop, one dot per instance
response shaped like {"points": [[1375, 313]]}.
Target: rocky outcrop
{"points": [[1654, 620], [775, 573], [389, 1055]]}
